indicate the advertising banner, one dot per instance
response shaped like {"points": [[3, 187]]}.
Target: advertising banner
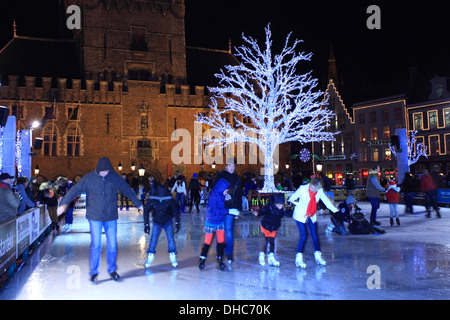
{"points": [[7, 245]]}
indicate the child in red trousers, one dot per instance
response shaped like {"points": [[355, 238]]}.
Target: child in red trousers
{"points": [[392, 196]]}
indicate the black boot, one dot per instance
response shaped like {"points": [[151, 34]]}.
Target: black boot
{"points": [[398, 221], [203, 255], [391, 221], [220, 254]]}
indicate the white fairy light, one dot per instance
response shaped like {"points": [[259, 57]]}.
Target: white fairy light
{"points": [[415, 151], [281, 105]]}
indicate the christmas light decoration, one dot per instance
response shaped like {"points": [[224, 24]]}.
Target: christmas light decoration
{"points": [[281, 105], [415, 151]]}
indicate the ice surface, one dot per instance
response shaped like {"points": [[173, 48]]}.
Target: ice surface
{"points": [[408, 262]]}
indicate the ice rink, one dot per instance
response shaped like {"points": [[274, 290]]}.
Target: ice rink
{"points": [[408, 262]]}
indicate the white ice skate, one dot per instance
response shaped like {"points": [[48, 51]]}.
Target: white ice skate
{"points": [[272, 261], [149, 261], [173, 259], [318, 257], [261, 259], [299, 260]]}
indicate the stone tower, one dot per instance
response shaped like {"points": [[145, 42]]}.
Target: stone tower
{"points": [[123, 40]]}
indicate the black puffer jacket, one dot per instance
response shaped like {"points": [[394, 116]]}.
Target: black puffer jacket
{"points": [[272, 215], [234, 190], [162, 206]]}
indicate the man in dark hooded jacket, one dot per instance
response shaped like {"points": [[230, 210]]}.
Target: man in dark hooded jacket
{"points": [[100, 187]]}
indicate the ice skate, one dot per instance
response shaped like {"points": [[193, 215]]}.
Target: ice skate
{"points": [[149, 261], [261, 259], [299, 260], [391, 221], [398, 221], [66, 226], [173, 259], [318, 258], [220, 263], [272, 261], [201, 263]]}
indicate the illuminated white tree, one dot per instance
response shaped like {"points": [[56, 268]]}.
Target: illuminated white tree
{"points": [[282, 106], [415, 151]]}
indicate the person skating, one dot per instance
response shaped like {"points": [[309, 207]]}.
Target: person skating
{"points": [[101, 186], [305, 199], [163, 209], [271, 221], [214, 222], [234, 201], [392, 194], [373, 189]]}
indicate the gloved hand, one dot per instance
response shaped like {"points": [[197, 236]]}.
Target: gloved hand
{"points": [[233, 212], [177, 226], [147, 228]]}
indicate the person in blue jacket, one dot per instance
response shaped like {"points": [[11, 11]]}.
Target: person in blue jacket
{"points": [[100, 187], [214, 222]]}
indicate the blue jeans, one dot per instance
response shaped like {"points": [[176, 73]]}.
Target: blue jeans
{"points": [[229, 239], [375, 203], [96, 244], [154, 236], [393, 209], [409, 201], [312, 227], [179, 199], [69, 216]]}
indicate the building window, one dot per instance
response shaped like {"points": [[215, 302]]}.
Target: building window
{"points": [[447, 143], [418, 123], [362, 134], [373, 116], [387, 153], [385, 115], [432, 119], [341, 120], [375, 154], [386, 133], [433, 142], [398, 113], [362, 154], [447, 117], [144, 149], [72, 113], [374, 133], [73, 140], [50, 140], [362, 118]]}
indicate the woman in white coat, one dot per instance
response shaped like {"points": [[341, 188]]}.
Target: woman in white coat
{"points": [[305, 199]]}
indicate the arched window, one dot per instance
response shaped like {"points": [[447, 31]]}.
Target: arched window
{"points": [[50, 139], [73, 139]]}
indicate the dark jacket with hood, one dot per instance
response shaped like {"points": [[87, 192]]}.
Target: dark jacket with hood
{"points": [[215, 209], [272, 215], [235, 189], [101, 192], [162, 206]]}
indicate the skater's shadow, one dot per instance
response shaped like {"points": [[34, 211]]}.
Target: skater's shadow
{"points": [[141, 271]]}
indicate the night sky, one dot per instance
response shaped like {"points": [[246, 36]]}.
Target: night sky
{"points": [[412, 33]]}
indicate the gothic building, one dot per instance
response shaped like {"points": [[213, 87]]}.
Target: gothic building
{"points": [[120, 87]]}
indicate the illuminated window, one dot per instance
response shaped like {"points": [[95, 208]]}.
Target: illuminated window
{"points": [[375, 153], [386, 132], [374, 133], [362, 134], [387, 153], [418, 121], [362, 154], [432, 119]]}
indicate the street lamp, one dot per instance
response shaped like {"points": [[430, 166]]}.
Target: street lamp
{"points": [[213, 165], [141, 171], [319, 167], [120, 166], [36, 170], [133, 167]]}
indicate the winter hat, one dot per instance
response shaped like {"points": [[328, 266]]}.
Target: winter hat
{"points": [[350, 200], [392, 183], [277, 198], [194, 175]]}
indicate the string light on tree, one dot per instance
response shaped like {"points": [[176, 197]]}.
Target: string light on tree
{"points": [[282, 105], [415, 150]]}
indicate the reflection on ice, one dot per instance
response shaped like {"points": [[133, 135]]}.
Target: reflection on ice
{"points": [[412, 259]]}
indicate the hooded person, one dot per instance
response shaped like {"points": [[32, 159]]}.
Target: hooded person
{"points": [[392, 195], [9, 200], [163, 208], [271, 221], [101, 186]]}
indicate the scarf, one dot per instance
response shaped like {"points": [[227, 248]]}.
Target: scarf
{"points": [[312, 205]]}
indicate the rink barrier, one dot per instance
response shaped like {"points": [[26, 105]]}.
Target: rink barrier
{"points": [[19, 235]]}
